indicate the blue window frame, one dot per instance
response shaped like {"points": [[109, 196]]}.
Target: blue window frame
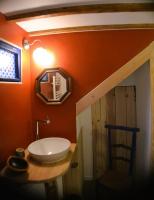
{"points": [[10, 63]]}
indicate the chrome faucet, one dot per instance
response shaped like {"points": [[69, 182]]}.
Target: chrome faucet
{"points": [[45, 121]]}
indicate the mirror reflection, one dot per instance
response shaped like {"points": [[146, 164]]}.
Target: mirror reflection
{"points": [[53, 86]]}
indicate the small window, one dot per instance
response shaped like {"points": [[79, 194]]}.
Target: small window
{"points": [[10, 63]]}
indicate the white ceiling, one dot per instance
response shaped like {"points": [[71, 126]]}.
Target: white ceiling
{"points": [[86, 20], [11, 7]]}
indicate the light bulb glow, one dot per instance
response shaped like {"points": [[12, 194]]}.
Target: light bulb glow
{"points": [[43, 58]]}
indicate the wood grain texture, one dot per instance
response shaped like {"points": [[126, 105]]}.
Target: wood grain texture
{"points": [[95, 8], [110, 107], [41, 172], [131, 106], [126, 116], [131, 119], [99, 137], [73, 179], [117, 107], [111, 115], [121, 117], [92, 28]]}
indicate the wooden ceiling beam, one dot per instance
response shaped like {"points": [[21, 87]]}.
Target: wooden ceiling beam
{"points": [[82, 9], [92, 28]]}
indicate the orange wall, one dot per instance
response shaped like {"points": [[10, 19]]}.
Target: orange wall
{"points": [[89, 57], [15, 105]]}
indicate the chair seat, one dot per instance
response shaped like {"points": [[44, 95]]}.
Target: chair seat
{"points": [[116, 180]]}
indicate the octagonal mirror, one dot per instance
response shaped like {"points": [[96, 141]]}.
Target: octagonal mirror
{"points": [[53, 86]]}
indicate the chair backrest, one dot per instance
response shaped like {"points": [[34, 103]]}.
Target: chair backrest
{"points": [[131, 148]]}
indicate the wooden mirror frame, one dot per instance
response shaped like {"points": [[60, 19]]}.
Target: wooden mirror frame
{"points": [[39, 80]]}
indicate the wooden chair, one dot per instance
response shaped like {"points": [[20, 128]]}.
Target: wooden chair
{"points": [[113, 179]]}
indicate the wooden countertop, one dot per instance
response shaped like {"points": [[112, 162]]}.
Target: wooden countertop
{"points": [[38, 172]]}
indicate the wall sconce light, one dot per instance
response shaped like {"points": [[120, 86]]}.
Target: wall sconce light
{"points": [[26, 44], [41, 56]]}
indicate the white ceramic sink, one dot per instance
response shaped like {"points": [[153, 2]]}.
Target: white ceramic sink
{"points": [[49, 150]]}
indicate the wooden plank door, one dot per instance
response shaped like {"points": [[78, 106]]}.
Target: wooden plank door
{"points": [[118, 107], [126, 116], [99, 137]]}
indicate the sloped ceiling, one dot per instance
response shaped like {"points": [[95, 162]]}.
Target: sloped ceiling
{"points": [[47, 17]]}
